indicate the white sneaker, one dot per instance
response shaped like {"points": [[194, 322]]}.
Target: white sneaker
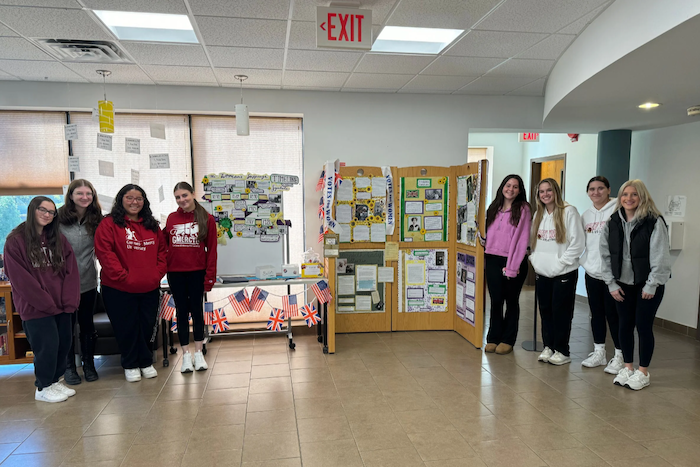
{"points": [[149, 372], [199, 363], [49, 394], [187, 363], [638, 380], [559, 359], [60, 387], [622, 376], [545, 355], [132, 375], [616, 364], [595, 358]]}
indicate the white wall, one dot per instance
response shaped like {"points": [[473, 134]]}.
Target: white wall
{"points": [[667, 161], [507, 155]]}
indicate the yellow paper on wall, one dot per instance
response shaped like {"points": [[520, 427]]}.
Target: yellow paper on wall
{"points": [[106, 109]]}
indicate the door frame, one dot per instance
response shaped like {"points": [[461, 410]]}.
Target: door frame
{"points": [[535, 167]]}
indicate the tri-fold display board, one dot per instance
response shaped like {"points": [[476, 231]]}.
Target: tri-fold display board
{"points": [[433, 258]]}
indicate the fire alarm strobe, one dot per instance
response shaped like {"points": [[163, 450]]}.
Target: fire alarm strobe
{"points": [[694, 111]]}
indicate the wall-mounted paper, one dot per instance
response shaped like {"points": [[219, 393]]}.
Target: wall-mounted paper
{"points": [[134, 177], [364, 195], [346, 285], [74, 164], [345, 192], [157, 130], [346, 300], [436, 275], [159, 161], [104, 142], [71, 131], [343, 213], [362, 182], [132, 145], [161, 194], [391, 251], [346, 309], [366, 277], [346, 234], [433, 236], [360, 233], [106, 168], [378, 187], [432, 222], [415, 272], [386, 274], [363, 302], [378, 233], [413, 207]]}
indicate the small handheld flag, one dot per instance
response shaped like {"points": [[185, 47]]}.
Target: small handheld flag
{"points": [[208, 313], [322, 293], [240, 303], [276, 320], [257, 299], [167, 307], [173, 326], [289, 305], [219, 322], [319, 184], [310, 314], [320, 209]]}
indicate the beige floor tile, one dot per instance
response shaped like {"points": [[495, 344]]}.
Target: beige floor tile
{"points": [[235, 355], [113, 424], [269, 371], [16, 432], [370, 415], [208, 458], [40, 459], [113, 463], [28, 411], [229, 368], [270, 359], [312, 361], [6, 449], [100, 448], [133, 404], [212, 416], [654, 461], [468, 462], [483, 428], [167, 431], [264, 447], [315, 390], [439, 445], [182, 391], [323, 429], [318, 408], [239, 380], [576, 457], [337, 453], [270, 401], [160, 454], [392, 458], [50, 440], [221, 438], [545, 437], [384, 436], [174, 410], [407, 401], [270, 422], [265, 385], [289, 462], [611, 452], [218, 397], [602, 437], [506, 453], [420, 421], [308, 375], [677, 451]]}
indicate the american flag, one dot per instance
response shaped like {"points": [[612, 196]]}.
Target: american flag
{"points": [[310, 314], [289, 305], [342, 164], [219, 322], [167, 307], [321, 233], [319, 184], [322, 293], [320, 208], [208, 313], [276, 320], [257, 299], [239, 302]]}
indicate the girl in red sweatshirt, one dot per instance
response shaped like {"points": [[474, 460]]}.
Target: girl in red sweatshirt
{"points": [[191, 237], [131, 249], [46, 291]]}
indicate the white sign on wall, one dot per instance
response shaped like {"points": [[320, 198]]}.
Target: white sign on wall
{"points": [[343, 28]]}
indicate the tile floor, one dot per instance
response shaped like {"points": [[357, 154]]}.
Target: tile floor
{"points": [[401, 399]]}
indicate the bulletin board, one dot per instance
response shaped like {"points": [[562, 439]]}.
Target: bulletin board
{"points": [[360, 209], [423, 281], [424, 202], [349, 266]]}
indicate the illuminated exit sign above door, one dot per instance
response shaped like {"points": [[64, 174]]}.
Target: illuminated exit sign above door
{"points": [[529, 137], [343, 28]]}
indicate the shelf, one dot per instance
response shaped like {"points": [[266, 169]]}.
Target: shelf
{"points": [[23, 360], [4, 358], [20, 335]]}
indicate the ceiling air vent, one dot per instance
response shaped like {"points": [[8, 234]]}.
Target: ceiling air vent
{"points": [[84, 51]]}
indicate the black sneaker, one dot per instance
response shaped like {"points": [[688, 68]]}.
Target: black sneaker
{"points": [[89, 372], [72, 377]]}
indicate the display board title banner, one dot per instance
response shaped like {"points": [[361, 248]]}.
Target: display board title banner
{"points": [[343, 28]]}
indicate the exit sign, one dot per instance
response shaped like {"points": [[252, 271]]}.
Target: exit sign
{"points": [[529, 137], [343, 28]]}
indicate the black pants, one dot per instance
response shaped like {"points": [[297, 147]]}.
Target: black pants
{"points": [[502, 290], [83, 316], [556, 297], [133, 318], [636, 311], [603, 308], [51, 339], [188, 292]]}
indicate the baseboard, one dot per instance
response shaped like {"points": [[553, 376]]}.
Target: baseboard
{"points": [[675, 327], [582, 299]]}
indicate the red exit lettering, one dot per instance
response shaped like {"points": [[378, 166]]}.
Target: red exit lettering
{"points": [[344, 19], [530, 136]]}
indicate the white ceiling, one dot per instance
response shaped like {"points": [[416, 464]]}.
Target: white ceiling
{"points": [[508, 48]]}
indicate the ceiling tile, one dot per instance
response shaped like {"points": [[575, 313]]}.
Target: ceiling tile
{"points": [[121, 73], [21, 49], [243, 32], [524, 68], [7, 32], [487, 85], [268, 9], [387, 63], [5, 77], [39, 71], [186, 83], [255, 77], [305, 10], [537, 15], [577, 26], [368, 90], [173, 7], [254, 86], [461, 66], [493, 44], [550, 48], [302, 35], [167, 54], [311, 88], [44, 3], [184, 74], [536, 88], [241, 57], [448, 14], [314, 79], [52, 23], [427, 83], [376, 81], [316, 60]]}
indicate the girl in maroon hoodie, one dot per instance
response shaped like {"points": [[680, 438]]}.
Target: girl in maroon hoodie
{"points": [[131, 249], [191, 237], [46, 291]]}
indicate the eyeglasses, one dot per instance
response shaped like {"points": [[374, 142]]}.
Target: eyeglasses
{"points": [[131, 199], [46, 211]]}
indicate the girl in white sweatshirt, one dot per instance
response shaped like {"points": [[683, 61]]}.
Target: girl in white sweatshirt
{"points": [[557, 242], [600, 301]]}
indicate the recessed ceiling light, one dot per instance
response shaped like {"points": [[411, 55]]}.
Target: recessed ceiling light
{"points": [[157, 27], [414, 40], [649, 105]]}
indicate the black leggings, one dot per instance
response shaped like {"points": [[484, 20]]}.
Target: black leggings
{"points": [[602, 307], [50, 339], [503, 290], [556, 297], [84, 314], [636, 311], [188, 292]]}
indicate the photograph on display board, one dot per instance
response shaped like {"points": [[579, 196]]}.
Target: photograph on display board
{"points": [[360, 209], [423, 281], [424, 204], [468, 193], [465, 287]]}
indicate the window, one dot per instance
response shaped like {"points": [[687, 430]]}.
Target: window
{"points": [[13, 211]]}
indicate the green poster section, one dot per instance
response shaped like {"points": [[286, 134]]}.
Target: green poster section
{"points": [[359, 257]]}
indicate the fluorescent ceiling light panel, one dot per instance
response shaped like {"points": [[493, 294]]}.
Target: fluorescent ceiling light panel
{"points": [[155, 27], [414, 40]]}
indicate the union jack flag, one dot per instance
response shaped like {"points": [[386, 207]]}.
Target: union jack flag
{"points": [[320, 208], [208, 313], [338, 179], [219, 322], [239, 302], [173, 325], [276, 320], [310, 314], [289, 305], [257, 299], [167, 307], [319, 184], [322, 293]]}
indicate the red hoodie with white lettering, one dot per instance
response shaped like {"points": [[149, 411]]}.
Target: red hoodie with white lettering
{"points": [[133, 258], [185, 251]]}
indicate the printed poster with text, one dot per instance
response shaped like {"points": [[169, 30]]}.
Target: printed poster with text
{"points": [[468, 192], [465, 289], [424, 207], [423, 280], [360, 209]]}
